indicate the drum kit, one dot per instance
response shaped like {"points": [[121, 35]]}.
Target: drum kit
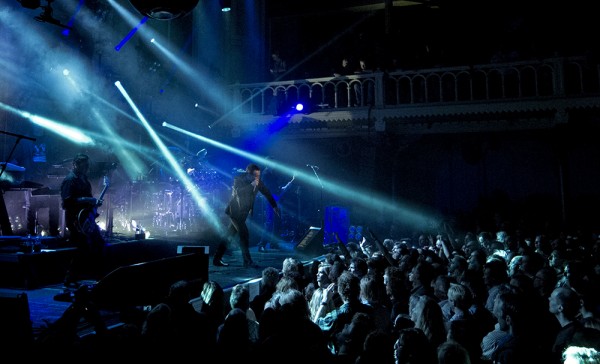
{"points": [[164, 205]]}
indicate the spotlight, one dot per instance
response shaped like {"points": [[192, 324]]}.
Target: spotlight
{"points": [[225, 5], [164, 9], [294, 107], [301, 107], [46, 15], [30, 4]]}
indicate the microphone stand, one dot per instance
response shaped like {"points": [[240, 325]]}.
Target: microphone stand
{"points": [[321, 201]]}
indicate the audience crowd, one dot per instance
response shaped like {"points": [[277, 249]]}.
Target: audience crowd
{"points": [[434, 299]]}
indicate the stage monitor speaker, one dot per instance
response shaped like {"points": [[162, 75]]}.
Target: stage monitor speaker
{"points": [[312, 242], [148, 283], [16, 329]]}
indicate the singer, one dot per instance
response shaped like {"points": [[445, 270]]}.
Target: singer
{"points": [[240, 206]]}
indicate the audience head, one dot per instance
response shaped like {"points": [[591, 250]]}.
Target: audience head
{"points": [[575, 274], [337, 268], [402, 321], [293, 303], [452, 352], [523, 283], [458, 265], [285, 283], [580, 355], [293, 268], [427, 315], [233, 333], [378, 348], [413, 347], [180, 292], [510, 311], [545, 281], [377, 264], [473, 280], [542, 244], [515, 265], [564, 303], [158, 323], [532, 262], [557, 260], [460, 296], [358, 266], [323, 272], [394, 282], [495, 272], [270, 277], [477, 259], [352, 337], [240, 297], [440, 285], [422, 274], [372, 289], [348, 286], [590, 303], [290, 265]]}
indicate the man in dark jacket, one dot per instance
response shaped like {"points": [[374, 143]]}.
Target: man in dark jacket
{"points": [[240, 206], [80, 214]]}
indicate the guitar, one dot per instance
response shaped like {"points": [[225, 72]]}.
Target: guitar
{"points": [[86, 219]]}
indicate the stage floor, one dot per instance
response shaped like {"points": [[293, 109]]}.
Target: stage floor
{"points": [[44, 307]]}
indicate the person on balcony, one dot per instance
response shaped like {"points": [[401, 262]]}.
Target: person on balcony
{"points": [[344, 69], [367, 87], [278, 66]]}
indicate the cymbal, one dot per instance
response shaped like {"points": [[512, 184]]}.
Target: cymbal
{"points": [[12, 167], [30, 184]]}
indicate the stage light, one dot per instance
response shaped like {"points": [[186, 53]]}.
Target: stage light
{"points": [[30, 4], [46, 15], [164, 9], [297, 107], [225, 5]]}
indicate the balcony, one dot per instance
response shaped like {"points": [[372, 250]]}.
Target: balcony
{"points": [[533, 94]]}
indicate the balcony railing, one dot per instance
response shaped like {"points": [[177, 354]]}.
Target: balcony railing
{"points": [[535, 79]]}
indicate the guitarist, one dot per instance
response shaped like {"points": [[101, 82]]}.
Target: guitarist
{"points": [[76, 195]]}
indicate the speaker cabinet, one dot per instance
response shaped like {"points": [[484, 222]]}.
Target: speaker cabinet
{"points": [[16, 328], [312, 242], [148, 283]]}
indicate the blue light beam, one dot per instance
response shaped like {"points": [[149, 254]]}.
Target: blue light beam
{"points": [[131, 34]]}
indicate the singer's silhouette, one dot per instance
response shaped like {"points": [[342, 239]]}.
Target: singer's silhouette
{"points": [[241, 204]]}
